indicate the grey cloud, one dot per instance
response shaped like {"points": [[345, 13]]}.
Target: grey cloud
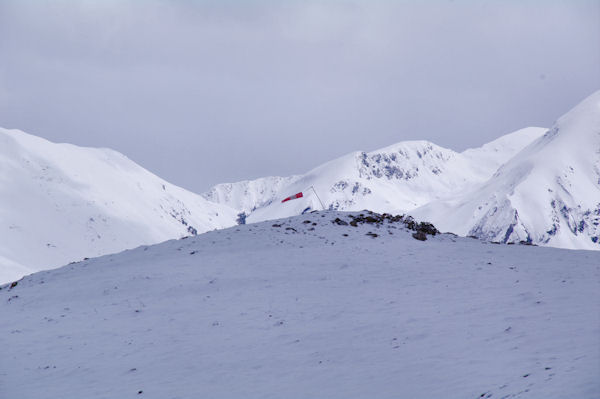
{"points": [[202, 92]]}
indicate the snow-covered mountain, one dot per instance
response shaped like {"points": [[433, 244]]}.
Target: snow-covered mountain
{"points": [[61, 203], [308, 307], [535, 185], [548, 194], [248, 195], [395, 179]]}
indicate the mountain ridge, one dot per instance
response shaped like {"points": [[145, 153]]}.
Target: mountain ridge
{"points": [[395, 179], [446, 187], [548, 194], [534, 185], [60, 203]]}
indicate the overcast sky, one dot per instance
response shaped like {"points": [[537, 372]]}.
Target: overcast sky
{"points": [[202, 92]]}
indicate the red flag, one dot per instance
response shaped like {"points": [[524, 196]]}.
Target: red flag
{"points": [[295, 196]]}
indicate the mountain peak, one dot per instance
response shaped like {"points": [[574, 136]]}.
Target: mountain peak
{"points": [[396, 178], [549, 193], [60, 203]]}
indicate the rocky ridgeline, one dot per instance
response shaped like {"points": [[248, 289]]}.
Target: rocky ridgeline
{"points": [[421, 230]]}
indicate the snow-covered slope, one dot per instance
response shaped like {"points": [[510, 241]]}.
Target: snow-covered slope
{"points": [[248, 195], [549, 193], [535, 185], [397, 178], [61, 203], [308, 307]]}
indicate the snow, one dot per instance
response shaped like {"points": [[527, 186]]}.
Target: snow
{"points": [[60, 203], [495, 153], [535, 185], [248, 195], [293, 309], [396, 179], [549, 193]]}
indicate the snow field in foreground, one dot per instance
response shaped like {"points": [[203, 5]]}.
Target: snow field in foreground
{"points": [[301, 310]]}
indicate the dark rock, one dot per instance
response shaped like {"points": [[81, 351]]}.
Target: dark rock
{"points": [[340, 222], [410, 223], [427, 228], [371, 220], [420, 235], [241, 218]]}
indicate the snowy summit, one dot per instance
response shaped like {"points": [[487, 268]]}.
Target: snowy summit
{"points": [[327, 304], [374, 264], [302, 302], [535, 185], [61, 203]]}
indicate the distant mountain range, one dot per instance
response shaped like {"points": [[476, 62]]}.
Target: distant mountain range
{"points": [[535, 185], [60, 203], [395, 179]]}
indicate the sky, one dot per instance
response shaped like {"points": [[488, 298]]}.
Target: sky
{"points": [[205, 92]]}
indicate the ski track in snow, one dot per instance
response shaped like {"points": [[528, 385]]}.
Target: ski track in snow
{"points": [[301, 311]]}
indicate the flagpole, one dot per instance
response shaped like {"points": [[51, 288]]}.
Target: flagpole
{"points": [[315, 191]]}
